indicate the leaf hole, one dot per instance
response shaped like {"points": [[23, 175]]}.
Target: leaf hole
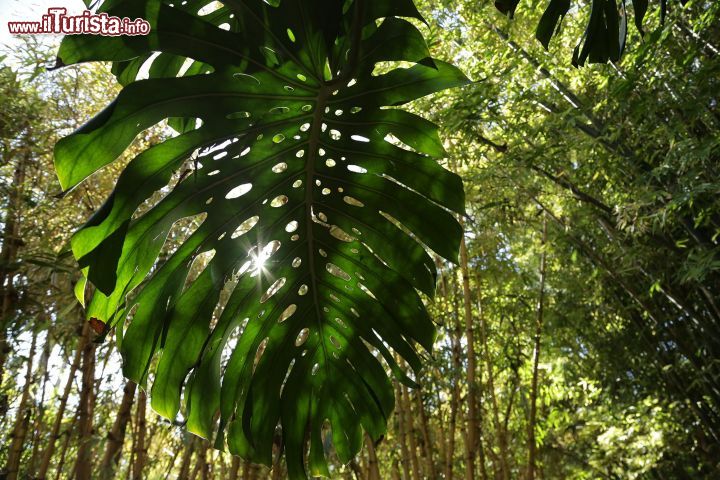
{"points": [[279, 201], [356, 169], [245, 227], [274, 288], [340, 234], [239, 191], [336, 271], [287, 313], [366, 290], [237, 115], [260, 352], [210, 8], [245, 76], [353, 201]]}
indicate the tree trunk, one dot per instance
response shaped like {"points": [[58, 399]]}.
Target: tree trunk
{"points": [[410, 432], [11, 243], [356, 469], [55, 432], [455, 335], [140, 453], [187, 458], [395, 470], [196, 468], [22, 419], [440, 425], [234, 468], [471, 442], [277, 470], [402, 433], [373, 466], [536, 360], [502, 470], [425, 431], [116, 436], [41, 373], [201, 464], [66, 444], [83, 465], [205, 466]]}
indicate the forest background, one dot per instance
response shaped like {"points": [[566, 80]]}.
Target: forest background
{"points": [[581, 325]]}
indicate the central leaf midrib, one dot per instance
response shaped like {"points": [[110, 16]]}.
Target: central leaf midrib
{"points": [[313, 145]]}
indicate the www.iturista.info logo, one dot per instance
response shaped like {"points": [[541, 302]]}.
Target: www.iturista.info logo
{"points": [[58, 21]]}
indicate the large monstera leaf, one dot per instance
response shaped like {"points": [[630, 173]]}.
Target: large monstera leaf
{"points": [[317, 201]]}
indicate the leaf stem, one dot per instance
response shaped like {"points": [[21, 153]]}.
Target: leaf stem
{"points": [[313, 145]]}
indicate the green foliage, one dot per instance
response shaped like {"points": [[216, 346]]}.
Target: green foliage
{"points": [[314, 201], [620, 161], [618, 157], [606, 25]]}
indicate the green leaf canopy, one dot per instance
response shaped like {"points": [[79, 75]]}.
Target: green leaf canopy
{"points": [[315, 197], [605, 28]]}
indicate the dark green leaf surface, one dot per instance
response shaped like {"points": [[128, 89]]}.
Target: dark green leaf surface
{"points": [[317, 200], [606, 27]]}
